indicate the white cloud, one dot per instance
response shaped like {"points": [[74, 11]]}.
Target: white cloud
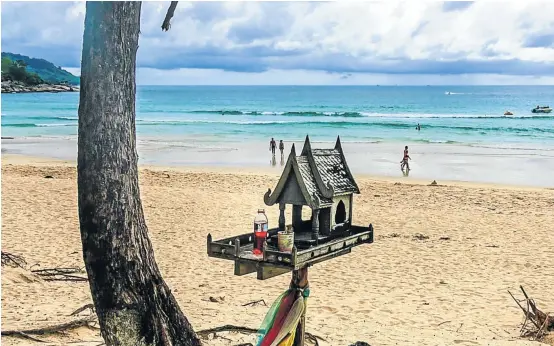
{"points": [[485, 38], [353, 27]]}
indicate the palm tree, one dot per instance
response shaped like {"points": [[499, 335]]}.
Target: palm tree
{"points": [[133, 303]]}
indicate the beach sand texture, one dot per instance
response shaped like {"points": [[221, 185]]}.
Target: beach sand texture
{"points": [[401, 290]]}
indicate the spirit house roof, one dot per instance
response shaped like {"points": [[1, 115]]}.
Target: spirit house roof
{"points": [[314, 177]]}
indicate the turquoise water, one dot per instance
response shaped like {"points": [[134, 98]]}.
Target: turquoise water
{"points": [[452, 115]]}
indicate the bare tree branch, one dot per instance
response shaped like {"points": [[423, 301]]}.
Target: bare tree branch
{"points": [[13, 260], [170, 12]]}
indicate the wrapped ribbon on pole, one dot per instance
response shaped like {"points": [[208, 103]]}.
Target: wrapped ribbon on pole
{"points": [[284, 323]]}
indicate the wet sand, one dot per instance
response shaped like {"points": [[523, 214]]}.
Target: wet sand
{"points": [[498, 164]]}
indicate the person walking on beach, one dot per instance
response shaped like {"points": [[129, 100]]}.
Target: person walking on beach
{"points": [[281, 147], [272, 146], [404, 162]]}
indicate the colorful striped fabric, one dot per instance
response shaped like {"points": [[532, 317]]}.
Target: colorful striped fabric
{"points": [[280, 323]]}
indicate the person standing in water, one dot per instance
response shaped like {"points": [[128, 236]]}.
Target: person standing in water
{"points": [[404, 162], [418, 127], [272, 146], [281, 147]]}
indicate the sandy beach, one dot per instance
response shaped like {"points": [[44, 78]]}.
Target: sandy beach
{"points": [[438, 273]]}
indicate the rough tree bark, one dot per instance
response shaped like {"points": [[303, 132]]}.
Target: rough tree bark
{"points": [[133, 303]]}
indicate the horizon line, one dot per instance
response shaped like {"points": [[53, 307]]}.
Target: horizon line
{"points": [[350, 85]]}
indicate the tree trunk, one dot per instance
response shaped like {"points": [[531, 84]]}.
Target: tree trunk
{"points": [[133, 303]]}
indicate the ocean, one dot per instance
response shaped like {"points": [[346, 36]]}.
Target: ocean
{"points": [[231, 124]]}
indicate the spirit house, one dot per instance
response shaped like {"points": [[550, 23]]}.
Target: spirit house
{"points": [[318, 179], [321, 180]]}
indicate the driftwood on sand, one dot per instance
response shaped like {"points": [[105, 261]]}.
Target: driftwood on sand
{"points": [[537, 324], [13, 261], [47, 274]]}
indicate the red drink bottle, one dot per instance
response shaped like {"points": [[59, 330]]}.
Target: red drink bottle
{"points": [[260, 232]]}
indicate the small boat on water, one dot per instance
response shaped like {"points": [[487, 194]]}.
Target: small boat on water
{"points": [[542, 109], [508, 113]]}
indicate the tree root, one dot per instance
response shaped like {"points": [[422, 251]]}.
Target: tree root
{"points": [[25, 336], [246, 330], [49, 274], [226, 328], [60, 274], [55, 329], [255, 302], [90, 320], [83, 308]]}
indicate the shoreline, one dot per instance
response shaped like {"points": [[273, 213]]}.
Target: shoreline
{"points": [[441, 162], [37, 161]]}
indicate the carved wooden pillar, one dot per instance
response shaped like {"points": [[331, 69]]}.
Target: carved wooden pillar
{"points": [[281, 216], [296, 216], [315, 223], [325, 221], [350, 208]]}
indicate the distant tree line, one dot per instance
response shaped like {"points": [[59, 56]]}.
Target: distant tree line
{"points": [[47, 71], [16, 71]]}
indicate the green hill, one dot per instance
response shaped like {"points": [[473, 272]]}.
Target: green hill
{"points": [[47, 71]]}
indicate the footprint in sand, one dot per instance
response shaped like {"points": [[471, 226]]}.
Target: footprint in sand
{"points": [[346, 309], [329, 309]]}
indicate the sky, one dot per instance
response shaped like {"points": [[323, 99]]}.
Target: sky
{"points": [[311, 43]]}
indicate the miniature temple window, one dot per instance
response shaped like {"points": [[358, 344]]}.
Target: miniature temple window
{"points": [[340, 214]]}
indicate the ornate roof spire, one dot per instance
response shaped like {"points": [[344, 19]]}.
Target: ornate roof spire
{"points": [[338, 145], [307, 146]]}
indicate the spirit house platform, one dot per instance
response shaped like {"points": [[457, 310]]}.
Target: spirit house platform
{"points": [[320, 180]]}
